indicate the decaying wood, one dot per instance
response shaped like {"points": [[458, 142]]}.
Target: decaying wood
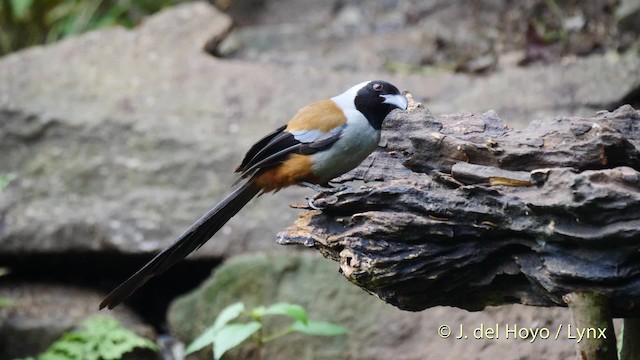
{"points": [[463, 211]]}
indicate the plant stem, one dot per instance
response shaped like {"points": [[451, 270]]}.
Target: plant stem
{"points": [[259, 343], [630, 339], [591, 313], [274, 336]]}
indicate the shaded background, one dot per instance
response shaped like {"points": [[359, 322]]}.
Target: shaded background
{"points": [[113, 141]]}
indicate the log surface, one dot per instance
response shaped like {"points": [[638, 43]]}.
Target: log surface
{"points": [[463, 211]]}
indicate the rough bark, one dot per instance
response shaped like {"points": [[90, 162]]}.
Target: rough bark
{"points": [[462, 210]]}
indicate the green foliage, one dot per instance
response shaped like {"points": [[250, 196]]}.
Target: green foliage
{"points": [[232, 335], [5, 180], [28, 22], [224, 335], [294, 311], [100, 338], [230, 313]]}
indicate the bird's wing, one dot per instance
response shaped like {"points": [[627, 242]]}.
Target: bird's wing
{"points": [[257, 147], [277, 147]]}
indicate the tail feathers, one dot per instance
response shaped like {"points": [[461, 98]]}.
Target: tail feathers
{"points": [[194, 237]]}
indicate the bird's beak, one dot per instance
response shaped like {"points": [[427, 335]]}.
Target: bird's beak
{"points": [[396, 100]]}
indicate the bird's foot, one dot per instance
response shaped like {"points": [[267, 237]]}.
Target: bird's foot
{"points": [[317, 187], [324, 188], [313, 205]]}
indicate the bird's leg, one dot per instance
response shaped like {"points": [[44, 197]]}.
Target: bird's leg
{"points": [[317, 187]]}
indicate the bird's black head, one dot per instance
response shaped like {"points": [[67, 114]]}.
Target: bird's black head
{"points": [[376, 99]]}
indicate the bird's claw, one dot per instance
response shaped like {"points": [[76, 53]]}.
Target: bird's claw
{"points": [[312, 205], [324, 188]]}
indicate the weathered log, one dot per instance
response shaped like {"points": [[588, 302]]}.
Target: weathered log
{"points": [[462, 210]]}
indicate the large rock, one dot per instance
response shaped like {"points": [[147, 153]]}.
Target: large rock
{"points": [[40, 313], [421, 36], [577, 87], [376, 331], [120, 139]]}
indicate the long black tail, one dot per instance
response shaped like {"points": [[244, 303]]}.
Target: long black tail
{"points": [[194, 237]]}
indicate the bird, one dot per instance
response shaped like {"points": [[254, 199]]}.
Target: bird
{"points": [[322, 141]]}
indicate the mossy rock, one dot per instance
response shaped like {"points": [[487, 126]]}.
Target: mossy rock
{"points": [[310, 281]]}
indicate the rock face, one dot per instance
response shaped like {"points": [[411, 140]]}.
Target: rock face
{"points": [[479, 37], [120, 139], [40, 313], [485, 215], [376, 331], [429, 40]]}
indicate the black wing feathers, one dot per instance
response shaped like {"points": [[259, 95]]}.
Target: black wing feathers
{"points": [[271, 150], [257, 147], [277, 147]]}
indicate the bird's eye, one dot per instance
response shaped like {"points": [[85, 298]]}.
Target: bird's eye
{"points": [[377, 87]]}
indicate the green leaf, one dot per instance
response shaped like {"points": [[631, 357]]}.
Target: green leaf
{"points": [[5, 180], [20, 8], [62, 349], [320, 328], [56, 356], [229, 313], [231, 335], [294, 311], [106, 339], [201, 341], [100, 338]]}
